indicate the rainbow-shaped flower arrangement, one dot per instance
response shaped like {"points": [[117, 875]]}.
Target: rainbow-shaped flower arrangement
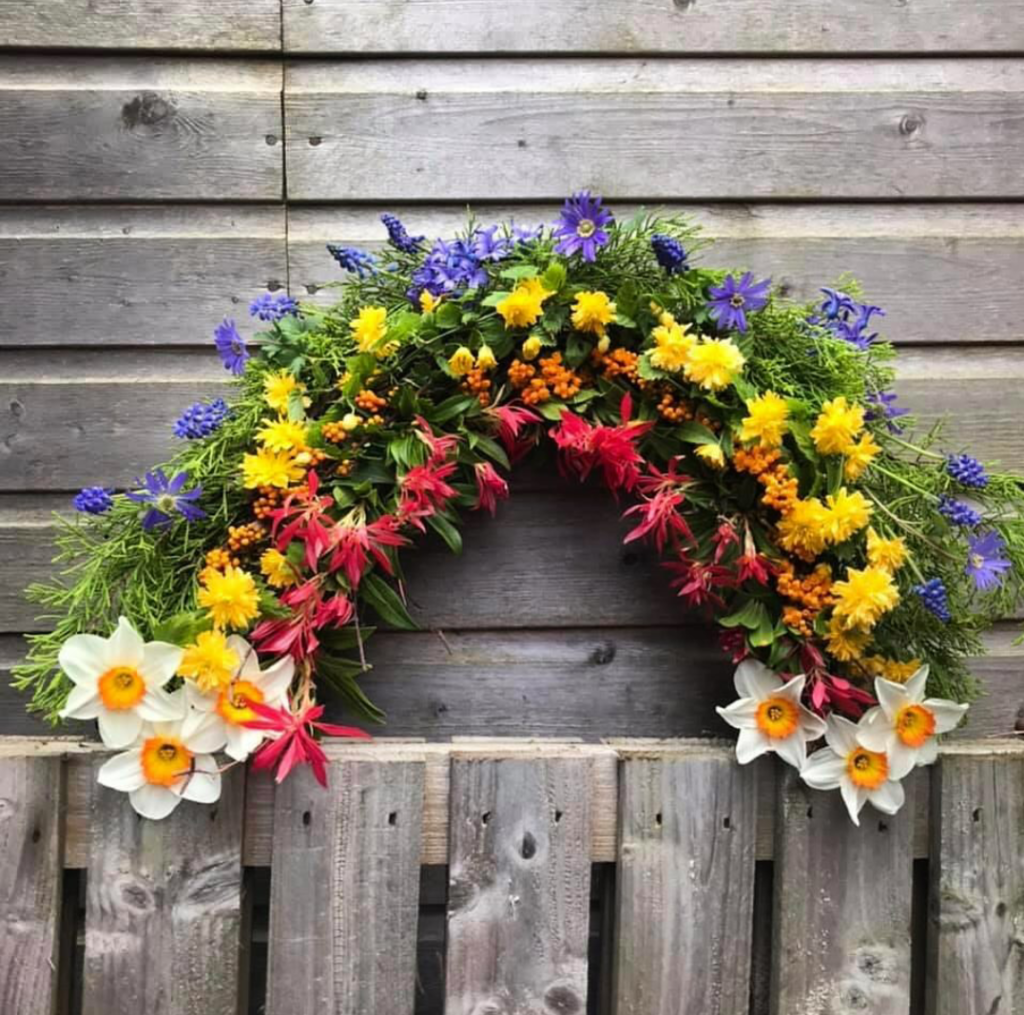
{"points": [[755, 441]]}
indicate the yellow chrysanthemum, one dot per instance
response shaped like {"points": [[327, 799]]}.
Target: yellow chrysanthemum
{"points": [[891, 669], [210, 662], [429, 302], [270, 468], [888, 554], [231, 597], [859, 456], [804, 529], [837, 426], [278, 388], [282, 435], [863, 597], [848, 513], [531, 348], [485, 358], [672, 345], [766, 422], [369, 328], [714, 363], [276, 568], [460, 362], [524, 305], [712, 454], [592, 311], [844, 644]]}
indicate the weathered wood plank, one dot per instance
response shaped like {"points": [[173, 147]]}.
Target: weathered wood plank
{"points": [[142, 24], [656, 26], [842, 903], [519, 890], [975, 962], [73, 129], [943, 257], [687, 831], [119, 275], [31, 856], [469, 129], [345, 890], [163, 907]]}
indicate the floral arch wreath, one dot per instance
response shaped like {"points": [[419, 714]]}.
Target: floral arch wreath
{"points": [[851, 568]]}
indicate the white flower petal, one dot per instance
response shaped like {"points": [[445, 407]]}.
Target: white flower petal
{"points": [[792, 689], [204, 786], [119, 728], [888, 798], [159, 706], [242, 742], [824, 769], [902, 758], [277, 678], [83, 657], [740, 714], [854, 799], [195, 698], [792, 749], [83, 703], [754, 680], [875, 731], [205, 736], [125, 646], [841, 735], [928, 753], [892, 697], [122, 772], [916, 684], [947, 713], [160, 662], [248, 660], [154, 802], [751, 744], [812, 726]]}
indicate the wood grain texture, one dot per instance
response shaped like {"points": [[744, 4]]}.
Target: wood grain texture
{"points": [[519, 890], [842, 903], [31, 856], [121, 275], [142, 24], [649, 26], [345, 891], [976, 959], [945, 257], [72, 128], [469, 129], [685, 885], [163, 907]]}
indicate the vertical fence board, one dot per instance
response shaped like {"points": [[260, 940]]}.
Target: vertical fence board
{"points": [[345, 890], [163, 907], [687, 833], [31, 809], [976, 918], [519, 890], [842, 903]]}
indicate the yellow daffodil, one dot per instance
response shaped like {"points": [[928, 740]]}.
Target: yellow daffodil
{"points": [[712, 454], [713, 363], [846, 644], [766, 420], [804, 529], [891, 669], [592, 311], [429, 302], [837, 426]]}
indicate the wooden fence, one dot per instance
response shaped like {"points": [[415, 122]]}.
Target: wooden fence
{"points": [[630, 877]]}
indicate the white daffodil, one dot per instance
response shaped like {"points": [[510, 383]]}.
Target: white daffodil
{"points": [[214, 721], [118, 680], [861, 775], [905, 723], [769, 715], [163, 768]]}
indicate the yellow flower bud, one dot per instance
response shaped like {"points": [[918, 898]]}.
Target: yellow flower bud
{"points": [[604, 344], [428, 301], [350, 421], [531, 348], [712, 454], [461, 361], [485, 358]]}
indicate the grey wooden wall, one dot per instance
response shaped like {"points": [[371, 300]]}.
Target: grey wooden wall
{"points": [[160, 164]]}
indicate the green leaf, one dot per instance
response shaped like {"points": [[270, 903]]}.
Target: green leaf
{"points": [[625, 321], [551, 410], [270, 605], [448, 532], [695, 433], [554, 278], [764, 634], [519, 272], [647, 371], [577, 349], [744, 388], [750, 615], [801, 434], [448, 315], [341, 676], [627, 301], [296, 405], [493, 299], [182, 628], [490, 447], [450, 408], [382, 598]]}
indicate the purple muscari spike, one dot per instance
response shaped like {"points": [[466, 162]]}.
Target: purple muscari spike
{"points": [[93, 500], [958, 512], [398, 237], [669, 253], [268, 307], [352, 259], [933, 596], [967, 471], [201, 419]]}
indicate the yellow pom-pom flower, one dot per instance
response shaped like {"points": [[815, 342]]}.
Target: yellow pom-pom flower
{"points": [[524, 305], [270, 468], [460, 362], [844, 644], [848, 514], [864, 597], [672, 345], [209, 662], [278, 388], [369, 328], [713, 363], [282, 435], [766, 422], [592, 311], [277, 569], [712, 454], [859, 456], [231, 597], [804, 529], [891, 669], [531, 348], [888, 554], [837, 426]]}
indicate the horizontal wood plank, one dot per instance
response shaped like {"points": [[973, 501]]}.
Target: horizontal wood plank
{"points": [[142, 24], [658, 130], [74, 128], [122, 275], [650, 26], [908, 258]]}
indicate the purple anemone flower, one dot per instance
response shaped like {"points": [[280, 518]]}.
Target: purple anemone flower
{"points": [[985, 563], [580, 227], [230, 346], [732, 300], [166, 498], [882, 405]]}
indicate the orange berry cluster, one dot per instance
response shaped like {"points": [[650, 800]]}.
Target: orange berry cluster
{"points": [[617, 363], [369, 401], [219, 558], [244, 537], [780, 488], [673, 411], [520, 374], [268, 500], [755, 460], [476, 382], [812, 593], [560, 379], [334, 432], [345, 468]]}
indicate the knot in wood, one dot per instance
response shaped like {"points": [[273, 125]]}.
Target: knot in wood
{"points": [[7, 809], [135, 894], [562, 1000], [911, 124], [147, 110], [603, 654], [684, 5]]}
